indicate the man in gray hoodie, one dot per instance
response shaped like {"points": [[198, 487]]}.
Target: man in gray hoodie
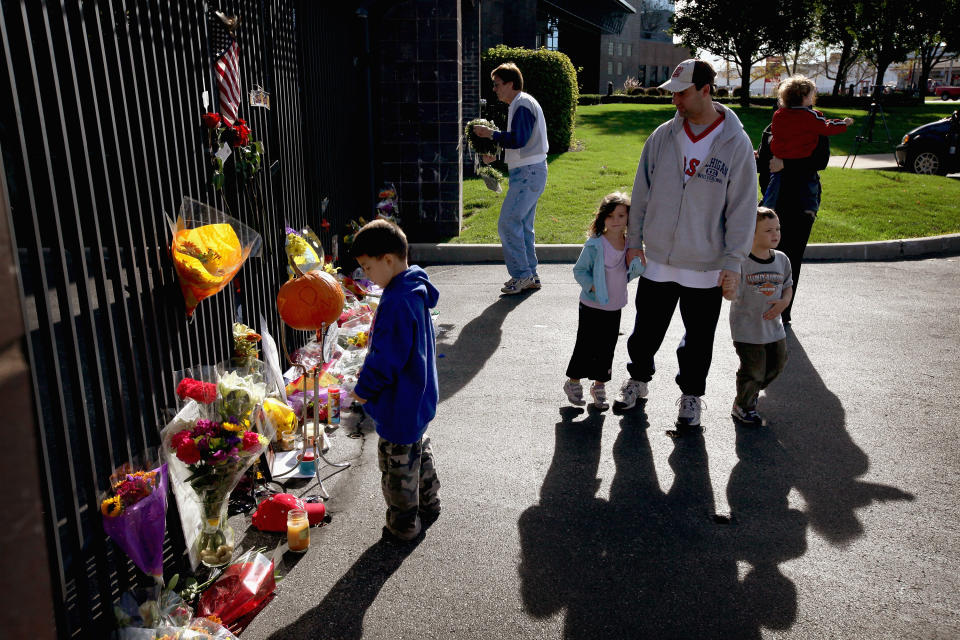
{"points": [[691, 223]]}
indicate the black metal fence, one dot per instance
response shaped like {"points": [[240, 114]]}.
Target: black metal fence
{"points": [[101, 136]]}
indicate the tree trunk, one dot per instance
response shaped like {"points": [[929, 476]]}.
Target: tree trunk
{"points": [[744, 84], [878, 84], [842, 68]]}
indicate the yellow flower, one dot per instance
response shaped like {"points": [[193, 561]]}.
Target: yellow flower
{"points": [[230, 426], [111, 507]]}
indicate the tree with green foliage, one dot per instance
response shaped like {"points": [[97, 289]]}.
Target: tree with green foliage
{"points": [[836, 29], [888, 32], [939, 22], [741, 33]]}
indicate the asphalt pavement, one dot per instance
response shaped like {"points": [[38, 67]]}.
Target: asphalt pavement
{"points": [[837, 520]]}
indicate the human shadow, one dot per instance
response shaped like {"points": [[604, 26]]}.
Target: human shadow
{"points": [[339, 615], [825, 463], [650, 562], [477, 341]]}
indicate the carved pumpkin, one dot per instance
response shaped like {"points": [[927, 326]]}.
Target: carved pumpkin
{"points": [[311, 300]]}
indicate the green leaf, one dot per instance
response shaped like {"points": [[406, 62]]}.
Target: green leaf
{"points": [[216, 180]]}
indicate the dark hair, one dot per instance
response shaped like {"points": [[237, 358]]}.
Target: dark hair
{"points": [[378, 238], [509, 72], [703, 73], [610, 202], [794, 89], [765, 213]]}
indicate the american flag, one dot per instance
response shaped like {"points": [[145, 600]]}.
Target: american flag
{"points": [[227, 67]]}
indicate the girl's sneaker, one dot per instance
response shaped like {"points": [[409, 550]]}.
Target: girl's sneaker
{"points": [[574, 391], [599, 394]]}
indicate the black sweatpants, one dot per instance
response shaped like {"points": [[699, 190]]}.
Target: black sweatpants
{"points": [[597, 334], [700, 310]]}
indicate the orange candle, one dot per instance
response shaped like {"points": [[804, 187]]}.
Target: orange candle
{"points": [[298, 530]]}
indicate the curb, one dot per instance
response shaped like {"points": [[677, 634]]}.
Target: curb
{"points": [[446, 253]]}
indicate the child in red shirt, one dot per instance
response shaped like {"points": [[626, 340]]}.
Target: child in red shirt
{"points": [[797, 127]]}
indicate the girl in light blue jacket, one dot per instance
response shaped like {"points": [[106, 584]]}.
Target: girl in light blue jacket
{"points": [[603, 274]]}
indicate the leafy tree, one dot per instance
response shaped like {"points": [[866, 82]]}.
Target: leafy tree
{"points": [[887, 31], [837, 28], [939, 21], [798, 21], [741, 33]]}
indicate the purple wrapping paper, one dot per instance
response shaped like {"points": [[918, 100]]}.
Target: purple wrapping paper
{"points": [[139, 529]]}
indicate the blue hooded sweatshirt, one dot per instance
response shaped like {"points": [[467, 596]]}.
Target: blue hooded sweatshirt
{"points": [[399, 375]]}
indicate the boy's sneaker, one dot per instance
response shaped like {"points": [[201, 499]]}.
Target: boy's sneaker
{"points": [[631, 391], [516, 285], [748, 417], [574, 391], [689, 415], [599, 394], [536, 282]]}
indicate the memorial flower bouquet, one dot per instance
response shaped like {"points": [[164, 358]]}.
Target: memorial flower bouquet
{"points": [[208, 451], [135, 514]]}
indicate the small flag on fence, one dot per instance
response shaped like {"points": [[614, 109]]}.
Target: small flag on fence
{"points": [[227, 66]]}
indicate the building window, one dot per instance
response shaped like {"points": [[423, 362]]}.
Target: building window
{"points": [[642, 75], [629, 50], [619, 48], [619, 68], [666, 73], [610, 48], [553, 33], [610, 67]]}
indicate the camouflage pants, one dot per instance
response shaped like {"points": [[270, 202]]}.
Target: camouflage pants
{"points": [[410, 484]]}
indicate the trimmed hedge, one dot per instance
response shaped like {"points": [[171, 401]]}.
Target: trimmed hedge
{"points": [[823, 100], [549, 77]]}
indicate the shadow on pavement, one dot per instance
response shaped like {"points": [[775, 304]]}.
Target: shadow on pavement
{"points": [[477, 341], [821, 459], [649, 563], [339, 616]]}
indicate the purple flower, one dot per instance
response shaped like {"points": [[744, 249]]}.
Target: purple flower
{"points": [[218, 456]]}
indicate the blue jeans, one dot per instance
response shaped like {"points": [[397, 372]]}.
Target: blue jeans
{"points": [[808, 194], [517, 212]]}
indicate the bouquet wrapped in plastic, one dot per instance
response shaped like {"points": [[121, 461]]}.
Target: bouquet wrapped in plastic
{"points": [[143, 615], [484, 147], [135, 516], [304, 249], [208, 452], [241, 591], [208, 249]]}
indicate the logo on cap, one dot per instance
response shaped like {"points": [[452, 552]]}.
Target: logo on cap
{"points": [[678, 71]]}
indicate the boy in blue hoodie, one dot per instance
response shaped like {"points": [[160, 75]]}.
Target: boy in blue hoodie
{"points": [[398, 382]]}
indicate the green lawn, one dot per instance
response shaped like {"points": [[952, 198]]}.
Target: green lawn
{"points": [[857, 205]]}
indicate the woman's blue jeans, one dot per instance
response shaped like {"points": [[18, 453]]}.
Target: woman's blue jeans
{"points": [[516, 219]]}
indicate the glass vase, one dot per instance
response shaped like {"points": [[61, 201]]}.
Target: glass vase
{"points": [[216, 541]]}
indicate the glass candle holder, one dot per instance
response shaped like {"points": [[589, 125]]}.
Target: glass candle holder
{"points": [[298, 530]]}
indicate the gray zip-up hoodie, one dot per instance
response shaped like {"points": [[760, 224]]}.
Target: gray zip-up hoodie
{"points": [[707, 223]]}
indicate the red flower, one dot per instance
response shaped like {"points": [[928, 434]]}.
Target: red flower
{"points": [[241, 134], [179, 438], [250, 440], [211, 120], [188, 452], [325, 224]]}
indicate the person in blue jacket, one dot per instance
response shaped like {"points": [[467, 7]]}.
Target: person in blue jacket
{"points": [[602, 272], [397, 385]]}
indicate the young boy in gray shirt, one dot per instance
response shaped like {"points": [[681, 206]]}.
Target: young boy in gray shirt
{"points": [[765, 290]]}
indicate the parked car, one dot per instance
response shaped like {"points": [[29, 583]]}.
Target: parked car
{"points": [[931, 148], [948, 93]]}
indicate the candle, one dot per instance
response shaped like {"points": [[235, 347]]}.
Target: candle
{"points": [[298, 530]]}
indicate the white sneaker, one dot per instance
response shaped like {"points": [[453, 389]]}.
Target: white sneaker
{"points": [[599, 394], [631, 391], [574, 391], [689, 415], [516, 285]]}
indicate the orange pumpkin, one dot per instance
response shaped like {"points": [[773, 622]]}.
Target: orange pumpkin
{"points": [[311, 300]]}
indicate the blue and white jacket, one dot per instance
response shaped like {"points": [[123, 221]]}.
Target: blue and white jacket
{"points": [[590, 271]]}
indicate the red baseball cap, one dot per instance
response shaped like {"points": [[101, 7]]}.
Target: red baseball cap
{"points": [[271, 515]]}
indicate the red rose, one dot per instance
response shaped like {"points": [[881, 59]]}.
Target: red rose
{"points": [[250, 441], [211, 120], [242, 134], [188, 452]]}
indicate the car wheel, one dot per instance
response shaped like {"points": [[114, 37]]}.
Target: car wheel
{"points": [[944, 96], [927, 162]]}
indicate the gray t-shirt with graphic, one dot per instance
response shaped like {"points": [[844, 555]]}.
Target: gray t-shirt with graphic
{"points": [[761, 281]]}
